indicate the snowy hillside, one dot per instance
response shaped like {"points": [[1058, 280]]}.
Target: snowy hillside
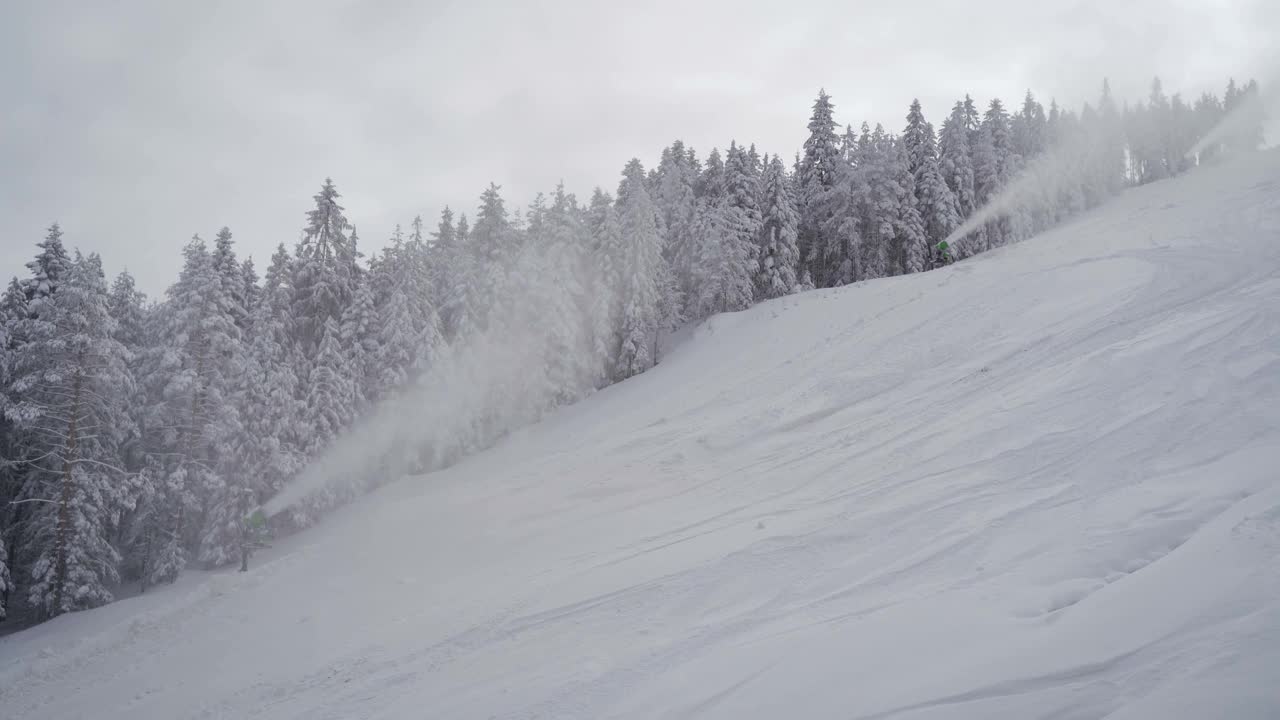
{"points": [[1040, 483]]}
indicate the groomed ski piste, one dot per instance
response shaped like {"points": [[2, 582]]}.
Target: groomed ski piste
{"points": [[1040, 483]]}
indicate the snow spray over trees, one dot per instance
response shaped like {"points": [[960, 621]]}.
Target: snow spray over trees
{"points": [[1086, 155], [542, 324]]}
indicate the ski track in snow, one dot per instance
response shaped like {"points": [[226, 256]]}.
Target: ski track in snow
{"points": [[1044, 483]]}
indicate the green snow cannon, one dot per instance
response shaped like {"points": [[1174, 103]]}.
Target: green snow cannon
{"points": [[256, 521], [944, 252]]}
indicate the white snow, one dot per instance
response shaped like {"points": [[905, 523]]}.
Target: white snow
{"points": [[1044, 482]]}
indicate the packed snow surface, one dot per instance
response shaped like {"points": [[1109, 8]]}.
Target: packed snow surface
{"points": [[1042, 483]]}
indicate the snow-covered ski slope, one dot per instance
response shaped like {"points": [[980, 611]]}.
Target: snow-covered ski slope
{"points": [[1043, 483]]}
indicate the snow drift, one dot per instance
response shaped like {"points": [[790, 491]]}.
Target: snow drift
{"points": [[1044, 482]]}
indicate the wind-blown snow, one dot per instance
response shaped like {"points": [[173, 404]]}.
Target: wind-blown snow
{"points": [[1044, 482]]}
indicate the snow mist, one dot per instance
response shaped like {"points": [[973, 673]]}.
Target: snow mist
{"points": [[1248, 114], [1047, 177], [538, 349]]}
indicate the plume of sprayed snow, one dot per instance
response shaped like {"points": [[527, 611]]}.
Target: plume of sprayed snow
{"points": [[537, 351], [1249, 113], [1068, 164], [1051, 174]]}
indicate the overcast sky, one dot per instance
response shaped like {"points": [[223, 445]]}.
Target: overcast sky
{"points": [[137, 124]]}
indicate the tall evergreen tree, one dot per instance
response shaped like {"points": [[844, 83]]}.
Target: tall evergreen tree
{"points": [[606, 267], [934, 201], [779, 232], [325, 269], [48, 268], [69, 393], [191, 378], [955, 159], [816, 180], [641, 270]]}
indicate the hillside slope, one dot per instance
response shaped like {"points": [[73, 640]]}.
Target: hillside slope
{"points": [[1041, 483]]}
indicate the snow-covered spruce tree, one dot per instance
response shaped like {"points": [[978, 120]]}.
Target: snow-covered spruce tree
{"points": [[878, 206], [641, 274], [492, 249], [269, 446], [48, 268], [817, 176], [359, 332], [331, 400], [71, 383], [325, 269], [955, 159], [419, 269], [552, 278], [605, 263], [1065, 131], [1028, 129], [407, 334], [779, 231], [252, 290], [742, 186], [452, 277], [231, 274], [127, 307], [911, 242], [1107, 158], [936, 203], [192, 421], [711, 183], [675, 194], [13, 310], [994, 164]]}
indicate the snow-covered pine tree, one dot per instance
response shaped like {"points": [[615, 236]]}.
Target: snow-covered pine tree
{"points": [[193, 368], [442, 243], [936, 203], [711, 183], [359, 332], [231, 274], [817, 177], [876, 251], [331, 407], [553, 274], [252, 291], [742, 215], [675, 194], [49, 266], [779, 254], [492, 248], [325, 269], [127, 306], [641, 269], [69, 393], [1028, 128], [268, 395], [408, 335], [453, 273], [911, 243], [955, 160], [13, 314], [606, 269]]}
